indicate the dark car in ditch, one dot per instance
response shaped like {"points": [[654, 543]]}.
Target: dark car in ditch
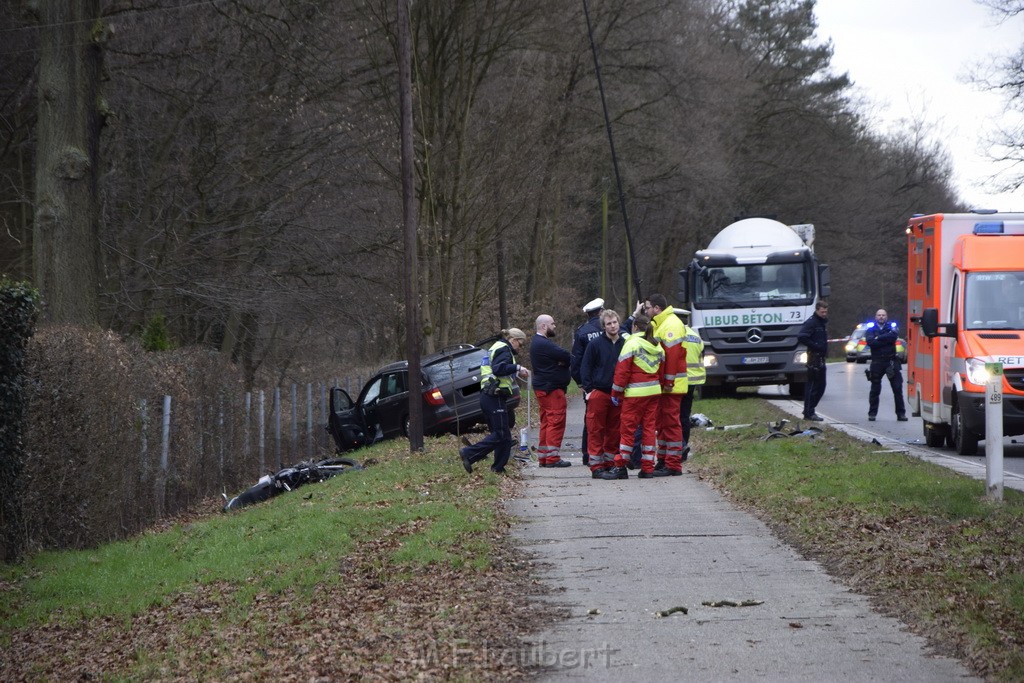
{"points": [[449, 389]]}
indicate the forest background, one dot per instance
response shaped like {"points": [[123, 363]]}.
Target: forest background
{"points": [[237, 171], [223, 176]]}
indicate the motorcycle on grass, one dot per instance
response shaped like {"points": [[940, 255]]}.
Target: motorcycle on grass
{"points": [[290, 478]]}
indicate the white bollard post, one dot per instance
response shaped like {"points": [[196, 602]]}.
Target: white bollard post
{"points": [[994, 431]]}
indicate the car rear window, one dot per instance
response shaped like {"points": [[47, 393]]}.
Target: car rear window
{"points": [[455, 366]]}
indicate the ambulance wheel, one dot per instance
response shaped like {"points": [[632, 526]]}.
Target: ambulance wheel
{"points": [[965, 442], [934, 435]]}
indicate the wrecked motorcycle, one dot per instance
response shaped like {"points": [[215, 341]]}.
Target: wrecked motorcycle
{"points": [[290, 478]]}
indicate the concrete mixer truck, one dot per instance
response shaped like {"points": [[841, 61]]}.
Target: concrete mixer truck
{"points": [[748, 292]]}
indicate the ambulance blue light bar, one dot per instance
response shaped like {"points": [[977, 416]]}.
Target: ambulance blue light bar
{"points": [[999, 228]]}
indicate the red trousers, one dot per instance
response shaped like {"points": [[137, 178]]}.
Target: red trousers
{"points": [[670, 431], [638, 410], [602, 430], [552, 425]]}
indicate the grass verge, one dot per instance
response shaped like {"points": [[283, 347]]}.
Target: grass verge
{"points": [[922, 540], [393, 572], [404, 571]]}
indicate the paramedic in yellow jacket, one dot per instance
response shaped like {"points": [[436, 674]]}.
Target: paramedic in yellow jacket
{"points": [[636, 386], [669, 332], [695, 375]]}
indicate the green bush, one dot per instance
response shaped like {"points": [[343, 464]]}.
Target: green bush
{"points": [[19, 307], [155, 335]]}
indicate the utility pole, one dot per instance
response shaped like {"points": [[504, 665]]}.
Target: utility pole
{"points": [[412, 275]]}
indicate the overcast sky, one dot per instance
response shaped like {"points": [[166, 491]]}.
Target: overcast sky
{"points": [[910, 59]]}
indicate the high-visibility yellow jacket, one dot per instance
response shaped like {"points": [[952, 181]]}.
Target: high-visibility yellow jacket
{"points": [[694, 345], [638, 371], [670, 332], [500, 364]]}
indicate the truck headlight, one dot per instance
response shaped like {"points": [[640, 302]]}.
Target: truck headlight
{"points": [[976, 372], [710, 360], [800, 357]]}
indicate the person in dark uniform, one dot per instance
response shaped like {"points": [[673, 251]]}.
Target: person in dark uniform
{"points": [[497, 379], [881, 337], [584, 334], [814, 335]]}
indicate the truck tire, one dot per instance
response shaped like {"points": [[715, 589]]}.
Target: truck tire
{"points": [[965, 442], [797, 389], [934, 435]]}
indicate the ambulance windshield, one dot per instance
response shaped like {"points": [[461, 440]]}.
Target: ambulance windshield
{"points": [[781, 284], [994, 301]]}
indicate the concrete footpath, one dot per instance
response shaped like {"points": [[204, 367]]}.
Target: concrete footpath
{"points": [[619, 552]]}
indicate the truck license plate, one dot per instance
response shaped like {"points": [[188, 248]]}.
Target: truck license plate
{"points": [[754, 360]]}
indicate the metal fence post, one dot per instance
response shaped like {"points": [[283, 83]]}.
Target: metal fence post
{"points": [[220, 435], [144, 419], [294, 450], [247, 426], [165, 459], [309, 420], [277, 427], [263, 433]]}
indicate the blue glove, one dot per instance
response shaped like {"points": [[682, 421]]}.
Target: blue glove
{"points": [[615, 402]]}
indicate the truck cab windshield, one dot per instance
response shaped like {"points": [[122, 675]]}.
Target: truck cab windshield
{"points": [[780, 284], [994, 301]]}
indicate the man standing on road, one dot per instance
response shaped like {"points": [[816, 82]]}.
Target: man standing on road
{"points": [[584, 334], [550, 380], [497, 380], [695, 376], [597, 372], [637, 386], [669, 332], [814, 335], [881, 337]]}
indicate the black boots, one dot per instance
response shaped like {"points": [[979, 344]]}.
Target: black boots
{"points": [[615, 473]]}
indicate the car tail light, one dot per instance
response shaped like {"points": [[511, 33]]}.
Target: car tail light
{"points": [[434, 397]]}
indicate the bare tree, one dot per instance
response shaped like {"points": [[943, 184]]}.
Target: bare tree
{"points": [[1007, 76], [66, 230]]}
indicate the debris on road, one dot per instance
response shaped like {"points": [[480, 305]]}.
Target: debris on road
{"points": [[673, 610], [732, 603]]}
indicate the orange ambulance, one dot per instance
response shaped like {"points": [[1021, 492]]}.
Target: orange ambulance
{"points": [[965, 298]]}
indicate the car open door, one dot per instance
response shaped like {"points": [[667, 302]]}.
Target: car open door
{"points": [[392, 404], [345, 422]]}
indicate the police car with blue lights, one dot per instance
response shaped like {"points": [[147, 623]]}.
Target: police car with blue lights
{"points": [[858, 351]]}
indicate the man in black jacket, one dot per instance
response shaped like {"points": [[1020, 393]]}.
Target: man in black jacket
{"points": [[597, 371], [584, 334], [550, 379], [814, 335], [881, 337]]}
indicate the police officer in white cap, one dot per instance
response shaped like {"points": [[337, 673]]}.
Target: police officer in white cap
{"points": [[589, 330]]}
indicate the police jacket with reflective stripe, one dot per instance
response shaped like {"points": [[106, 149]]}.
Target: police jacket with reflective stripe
{"points": [[503, 365], [585, 333]]}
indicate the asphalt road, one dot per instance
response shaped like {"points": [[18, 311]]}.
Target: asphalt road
{"points": [[845, 406], [643, 567]]}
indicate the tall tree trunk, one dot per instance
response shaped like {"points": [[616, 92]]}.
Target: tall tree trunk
{"points": [[66, 231]]}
